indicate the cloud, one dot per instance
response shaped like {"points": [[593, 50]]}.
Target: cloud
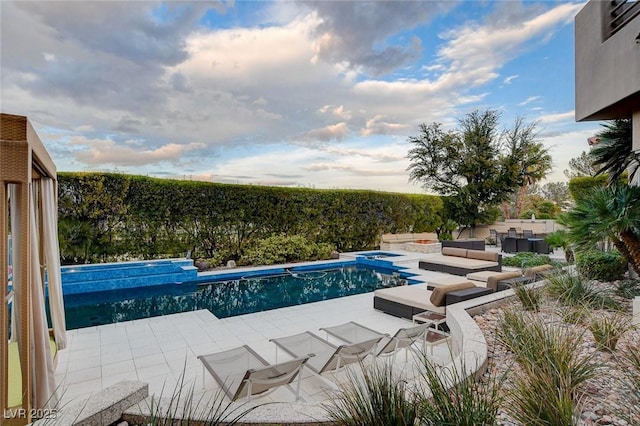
{"points": [[108, 152], [359, 34], [529, 100], [350, 170], [135, 84], [336, 132], [563, 116], [510, 78], [375, 126], [337, 111]]}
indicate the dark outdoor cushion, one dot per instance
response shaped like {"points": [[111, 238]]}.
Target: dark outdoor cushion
{"points": [[454, 251], [439, 295]]}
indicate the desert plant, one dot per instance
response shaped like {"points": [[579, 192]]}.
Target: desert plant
{"points": [[536, 399], [574, 290], [608, 328], [458, 399], [611, 213], [560, 239], [546, 347], [375, 398], [600, 265], [628, 358], [183, 408], [549, 358], [529, 297], [628, 288], [576, 315]]}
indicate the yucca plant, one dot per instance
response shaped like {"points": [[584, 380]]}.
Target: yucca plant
{"points": [[457, 399], [377, 397], [608, 328]]}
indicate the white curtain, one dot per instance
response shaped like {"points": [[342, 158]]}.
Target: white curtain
{"points": [[43, 380], [52, 260], [44, 385], [14, 207]]}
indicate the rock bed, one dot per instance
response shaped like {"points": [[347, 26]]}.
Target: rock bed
{"points": [[601, 403]]}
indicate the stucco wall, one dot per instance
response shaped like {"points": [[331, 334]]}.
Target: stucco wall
{"points": [[607, 69]]}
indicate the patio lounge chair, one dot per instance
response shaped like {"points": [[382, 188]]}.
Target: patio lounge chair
{"points": [[242, 373], [328, 357], [404, 338]]}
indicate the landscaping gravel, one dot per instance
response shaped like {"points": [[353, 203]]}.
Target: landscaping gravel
{"points": [[603, 400]]}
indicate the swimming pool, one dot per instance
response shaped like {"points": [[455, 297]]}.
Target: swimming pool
{"points": [[230, 297]]}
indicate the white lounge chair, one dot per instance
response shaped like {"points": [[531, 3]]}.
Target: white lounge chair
{"points": [[328, 357], [404, 338], [242, 373]]}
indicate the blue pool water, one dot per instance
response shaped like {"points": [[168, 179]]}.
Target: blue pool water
{"points": [[227, 298]]}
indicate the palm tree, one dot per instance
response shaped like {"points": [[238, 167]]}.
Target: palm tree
{"points": [[614, 154], [611, 213]]}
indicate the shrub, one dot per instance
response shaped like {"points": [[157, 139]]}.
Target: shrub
{"points": [[526, 260], [458, 399], [377, 398], [576, 315], [529, 297], [628, 289], [550, 358], [284, 249], [628, 359], [574, 290], [600, 265]]}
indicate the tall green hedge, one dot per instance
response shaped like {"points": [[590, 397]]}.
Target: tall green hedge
{"points": [[106, 216]]}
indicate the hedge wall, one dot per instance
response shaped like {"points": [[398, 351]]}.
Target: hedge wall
{"points": [[105, 217]]}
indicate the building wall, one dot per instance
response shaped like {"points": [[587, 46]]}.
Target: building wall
{"points": [[607, 69]]}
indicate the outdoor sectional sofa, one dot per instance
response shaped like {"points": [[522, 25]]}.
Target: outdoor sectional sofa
{"points": [[460, 261], [407, 300]]}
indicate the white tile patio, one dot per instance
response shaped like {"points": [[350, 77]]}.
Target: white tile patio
{"points": [[160, 350]]}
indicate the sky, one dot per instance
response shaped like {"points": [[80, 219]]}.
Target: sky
{"points": [[316, 94]]}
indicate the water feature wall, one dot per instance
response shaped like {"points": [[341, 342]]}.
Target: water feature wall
{"points": [[121, 275]]}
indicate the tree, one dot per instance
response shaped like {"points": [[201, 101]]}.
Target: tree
{"points": [[614, 154], [532, 160], [471, 165], [581, 166], [611, 213], [558, 192]]}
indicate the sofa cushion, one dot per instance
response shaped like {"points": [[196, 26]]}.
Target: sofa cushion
{"points": [[464, 262], [532, 272], [492, 281], [439, 295], [415, 295], [483, 255], [454, 251]]}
